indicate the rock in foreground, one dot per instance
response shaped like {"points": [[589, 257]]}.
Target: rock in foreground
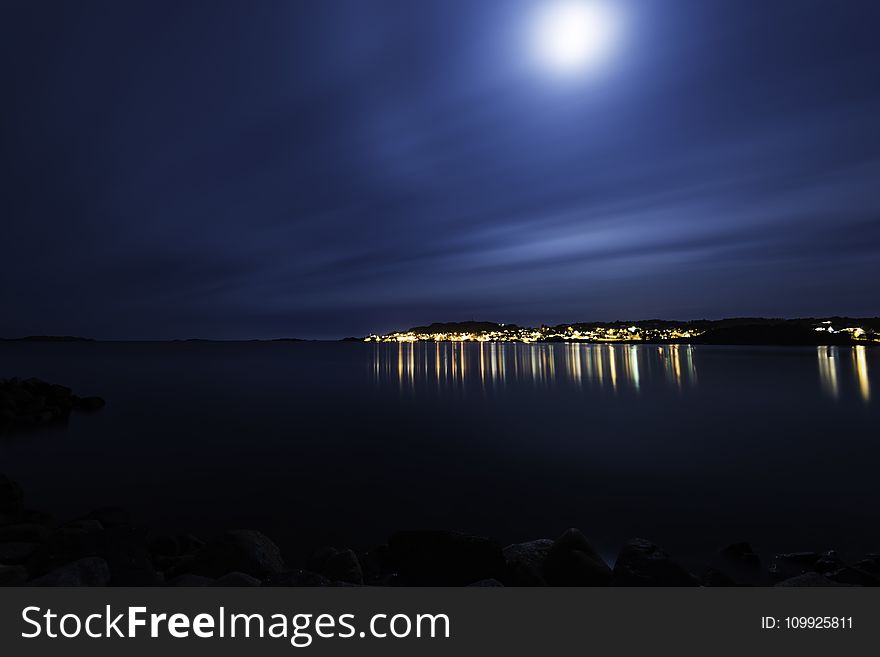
{"points": [[33, 402]]}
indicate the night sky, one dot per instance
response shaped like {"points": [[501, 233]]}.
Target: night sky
{"points": [[336, 167]]}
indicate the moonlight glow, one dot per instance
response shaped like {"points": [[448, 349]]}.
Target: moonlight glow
{"points": [[571, 36]]}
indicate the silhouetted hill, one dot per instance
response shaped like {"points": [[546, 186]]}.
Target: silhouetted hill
{"points": [[460, 327], [771, 334], [48, 338]]}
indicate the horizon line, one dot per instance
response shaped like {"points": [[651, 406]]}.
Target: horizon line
{"points": [[49, 337]]}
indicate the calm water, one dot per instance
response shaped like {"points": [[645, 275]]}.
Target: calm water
{"points": [[341, 443]]}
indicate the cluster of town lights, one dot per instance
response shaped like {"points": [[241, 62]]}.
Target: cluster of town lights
{"points": [[543, 334], [588, 333]]}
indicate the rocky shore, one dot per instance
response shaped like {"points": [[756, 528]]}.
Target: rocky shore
{"points": [[107, 548]]}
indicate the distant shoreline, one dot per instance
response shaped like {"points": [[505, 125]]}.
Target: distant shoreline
{"points": [[754, 331]]}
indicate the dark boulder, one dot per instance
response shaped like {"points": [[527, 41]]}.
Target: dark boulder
{"points": [[11, 498], [489, 583], [441, 558], [110, 517], [788, 565], [172, 567], [13, 575], [376, 566], [175, 546], [828, 562], [189, 544], [861, 573], [32, 402], [16, 552], [91, 571], [29, 533], [809, 580], [241, 550], [338, 565], [32, 517], [641, 563], [84, 524], [123, 549], [572, 561], [164, 546], [870, 564], [741, 564], [525, 562]]}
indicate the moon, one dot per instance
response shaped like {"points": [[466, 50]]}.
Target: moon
{"points": [[574, 36]]}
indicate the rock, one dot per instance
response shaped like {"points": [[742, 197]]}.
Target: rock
{"points": [[31, 517], [855, 575], [189, 544], [13, 575], [29, 533], [11, 497], [572, 561], [739, 563], [297, 578], [190, 580], [870, 564], [85, 524], [242, 550], [641, 563], [240, 580], [525, 562], [828, 561], [376, 566], [122, 548], [7, 418], [810, 579], [32, 402], [175, 546], [110, 517], [91, 571], [338, 565], [487, 582], [165, 546], [791, 564], [89, 404], [440, 558], [172, 567], [16, 552]]}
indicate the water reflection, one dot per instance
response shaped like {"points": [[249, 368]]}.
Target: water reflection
{"points": [[832, 370], [495, 365], [829, 370], [860, 362], [615, 367]]}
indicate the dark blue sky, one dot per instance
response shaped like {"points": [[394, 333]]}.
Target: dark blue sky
{"points": [[335, 167]]}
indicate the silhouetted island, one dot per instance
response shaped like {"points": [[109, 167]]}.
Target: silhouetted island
{"points": [[48, 338]]}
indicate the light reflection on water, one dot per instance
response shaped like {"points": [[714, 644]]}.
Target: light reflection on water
{"points": [[610, 366], [494, 365], [832, 368]]}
